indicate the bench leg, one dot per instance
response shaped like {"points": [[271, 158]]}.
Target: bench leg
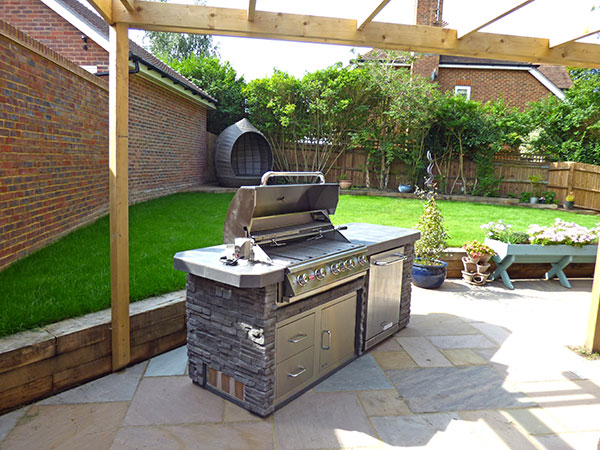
{"points": [[501, 266], [557, 270]]}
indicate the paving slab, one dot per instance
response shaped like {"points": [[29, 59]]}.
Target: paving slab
{"points": [[569, 441], [498, 431], [90, 426], [454, 389], [8, 421], [463, 357], [170, 363], [116, 387], [469, 341], [383, 403], [239, 436], [323, 420], [423, 352], [394, 360], [233, 413], [436, 324], [362, 374], [173, 400], [494, 333]]}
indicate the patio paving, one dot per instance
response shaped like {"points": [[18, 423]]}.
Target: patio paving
{"points": [[477, 368]]}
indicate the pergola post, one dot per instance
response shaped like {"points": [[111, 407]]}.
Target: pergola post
{"points": [[592, 339], [118, 141]]}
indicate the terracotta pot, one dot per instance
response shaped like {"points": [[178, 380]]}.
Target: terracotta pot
{"points": [[483, 259], [480, 278], [469, 264], [345, 184], [467, 276], [482, 268]]}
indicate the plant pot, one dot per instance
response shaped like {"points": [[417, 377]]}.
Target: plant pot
{"points": [[568, 205], [469, 264], [482, 268], [404, 188], [484, 259], [533, 200], [467, 276], [429, 276], [345, 184], [480, 278]]}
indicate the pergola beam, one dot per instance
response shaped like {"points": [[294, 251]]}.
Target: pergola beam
{"points": [[118, 147], [461, 32], [251, 10], [567, 34], [104, 8], [128, 4], [418, 38], [363, 22]]}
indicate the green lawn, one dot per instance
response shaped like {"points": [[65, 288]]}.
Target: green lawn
{"points": [[72, 276]]}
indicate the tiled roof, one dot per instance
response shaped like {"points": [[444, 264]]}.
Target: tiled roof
{"points": [[101, 27], [448, 59], [558, 75]]}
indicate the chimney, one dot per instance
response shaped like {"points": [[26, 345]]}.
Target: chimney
{"points": [[427, 12]]}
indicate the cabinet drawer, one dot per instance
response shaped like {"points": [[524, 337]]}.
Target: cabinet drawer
{"points": [[294, 372], [295, 337]]}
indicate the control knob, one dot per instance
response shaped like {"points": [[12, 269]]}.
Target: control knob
{"points": [[362, 260], [320, 273], [303, 279], [350, 264]]}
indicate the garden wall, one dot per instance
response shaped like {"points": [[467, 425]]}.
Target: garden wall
{"points": [[54, 144], [583, 180]]}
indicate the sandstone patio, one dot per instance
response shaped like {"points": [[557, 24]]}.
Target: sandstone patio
{"points": [[477, 368]]}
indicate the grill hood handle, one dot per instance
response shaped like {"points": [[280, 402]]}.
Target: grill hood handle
{"points": [[267, 175]]}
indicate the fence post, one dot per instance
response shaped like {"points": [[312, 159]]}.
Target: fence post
{"points": [[570, 177]]}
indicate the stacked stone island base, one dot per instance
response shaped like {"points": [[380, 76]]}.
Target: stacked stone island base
{"points": [[231, 337]]}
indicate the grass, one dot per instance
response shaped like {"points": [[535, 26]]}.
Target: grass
{"points": [[72, 276], [585, 353]]}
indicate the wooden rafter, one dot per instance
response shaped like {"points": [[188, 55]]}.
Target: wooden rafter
{"points": [[251, 9], [418, 38], [567, 34], [363, 22], [488, 19], [104, 8], [128, 4]]}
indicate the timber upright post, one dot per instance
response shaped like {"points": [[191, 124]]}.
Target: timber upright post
{"points": [[592, 339], [118, 142]]}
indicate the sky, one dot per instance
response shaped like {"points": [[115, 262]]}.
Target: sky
{"points": [[256, 58]]}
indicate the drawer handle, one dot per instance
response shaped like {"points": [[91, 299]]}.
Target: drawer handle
{"points": [[297, 338], [386, 325], [400, 257], [296, 374], [328, 340]]}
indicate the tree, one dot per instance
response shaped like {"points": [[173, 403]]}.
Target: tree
{"points": [[569, 130], [220, 80]]}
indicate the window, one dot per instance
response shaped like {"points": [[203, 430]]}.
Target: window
{"points": [[463, 91]]}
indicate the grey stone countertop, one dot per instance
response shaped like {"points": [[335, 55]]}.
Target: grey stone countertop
{"points": [[206, 263]]}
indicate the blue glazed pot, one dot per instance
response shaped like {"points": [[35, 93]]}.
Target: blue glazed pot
{"points": [[404, 188], [429, 277]]}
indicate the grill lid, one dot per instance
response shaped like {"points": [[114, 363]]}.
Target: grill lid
{"points": [[265, 212]]}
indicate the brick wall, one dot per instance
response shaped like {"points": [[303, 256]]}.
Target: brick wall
{"points": [[516, 87], [38, 21], [54, 144]]}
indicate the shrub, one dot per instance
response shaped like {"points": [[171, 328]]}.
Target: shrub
{"points": [[433, 240]]}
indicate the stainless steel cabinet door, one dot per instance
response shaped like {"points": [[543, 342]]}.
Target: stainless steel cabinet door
{"points": [[338, 323], [385, 290]]}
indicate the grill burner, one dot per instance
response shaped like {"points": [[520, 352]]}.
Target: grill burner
{"points": [[291, 225]]}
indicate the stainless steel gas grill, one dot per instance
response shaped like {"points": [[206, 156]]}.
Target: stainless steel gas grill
{"points": [[291, 226], [283, 302]]}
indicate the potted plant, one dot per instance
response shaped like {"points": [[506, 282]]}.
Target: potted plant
{"points": [[428, 270], [536, 182], [404, 188], [344, 182], [569, 201]]}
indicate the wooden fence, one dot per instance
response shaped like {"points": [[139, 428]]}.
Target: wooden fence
{"points": [[583, 180]]}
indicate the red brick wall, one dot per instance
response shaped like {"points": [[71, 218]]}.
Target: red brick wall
{"points": [[517, 87], [54, 144], [38, 21], [167, 141]]}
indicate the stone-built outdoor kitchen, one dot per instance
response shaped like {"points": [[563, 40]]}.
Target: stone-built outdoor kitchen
{"points": [[289, 298]]}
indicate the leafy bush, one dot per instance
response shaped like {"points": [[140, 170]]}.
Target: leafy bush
{"points": [[503, 232], [433, 241], [525, 196]]}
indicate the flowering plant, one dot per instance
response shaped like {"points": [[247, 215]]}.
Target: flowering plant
{"points": [[566, 233], [570, 197], [476, 249], [503, 232]]}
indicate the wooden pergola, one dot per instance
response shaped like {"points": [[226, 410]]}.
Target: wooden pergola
{"points": [[560, 49]]}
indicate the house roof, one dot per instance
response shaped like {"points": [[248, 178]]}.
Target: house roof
{"points": [[558, 75], [98, 24]]}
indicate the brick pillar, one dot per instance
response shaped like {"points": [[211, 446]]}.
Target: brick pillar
{"points": [[427, 12]]}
